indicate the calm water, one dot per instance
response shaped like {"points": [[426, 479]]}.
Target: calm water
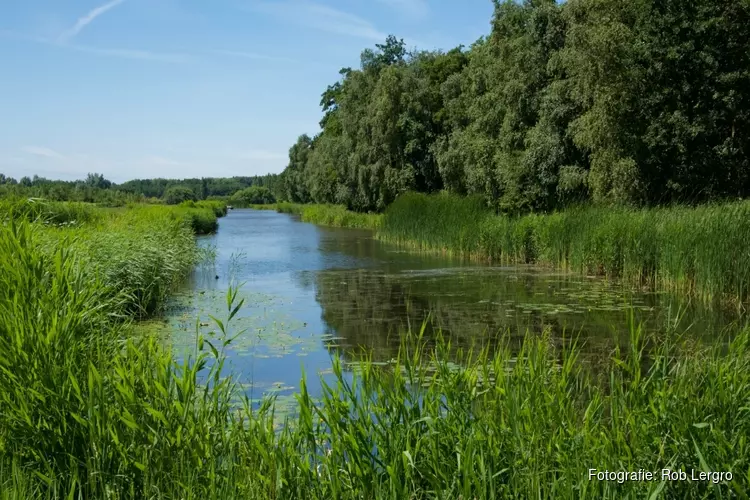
{"points": [[312, 291]]}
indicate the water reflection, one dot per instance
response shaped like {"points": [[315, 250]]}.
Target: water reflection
{"points": [[368, 308], [314, 291]]}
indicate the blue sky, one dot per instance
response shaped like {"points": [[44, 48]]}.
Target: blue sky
{"points": [[188, 88]]}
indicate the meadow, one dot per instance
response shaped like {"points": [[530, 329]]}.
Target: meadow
{"points": [[90, 409]]}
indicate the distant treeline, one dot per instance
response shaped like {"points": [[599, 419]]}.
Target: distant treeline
{"points": [[203, 188], [643, 102], [96, 189]]}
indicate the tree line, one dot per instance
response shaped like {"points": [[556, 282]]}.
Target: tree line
{"points": [[97, 189], [642, 102]]}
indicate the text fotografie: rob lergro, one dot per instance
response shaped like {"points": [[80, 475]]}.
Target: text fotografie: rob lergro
{"points": [[663, 475]]}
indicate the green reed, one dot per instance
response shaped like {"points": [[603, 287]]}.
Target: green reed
{"points": [[88, 410], [701, 250], [327, 215]]}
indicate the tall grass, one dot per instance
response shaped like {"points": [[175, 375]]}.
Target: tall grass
{"points": [[48, 212], [115, 417], [89, 411], [201, 216], [144, 253], [141, 252], [702, 250], [86, 411], [331, 215], [219, 208]]}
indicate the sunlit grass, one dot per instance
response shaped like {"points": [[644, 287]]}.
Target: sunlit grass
{"points": [[89, 410], [700, 250], [329, 215]]}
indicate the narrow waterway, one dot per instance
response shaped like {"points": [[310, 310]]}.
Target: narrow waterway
{"points": [[312, 292]]}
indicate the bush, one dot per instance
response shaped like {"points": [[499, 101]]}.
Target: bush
{"points": [[179, 194], [254, 195]]}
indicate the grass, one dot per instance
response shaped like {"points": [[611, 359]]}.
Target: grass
{"points": [[88, 410], [49, 212], [272, 206], [141, 252], [201, 216], [112, 416], [698, 250], [330, 215]]}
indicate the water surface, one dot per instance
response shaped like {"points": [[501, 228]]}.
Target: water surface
{"points": [[312, 292]]}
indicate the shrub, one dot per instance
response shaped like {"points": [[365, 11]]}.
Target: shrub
{"points": [[254, 195], [179, 194]]}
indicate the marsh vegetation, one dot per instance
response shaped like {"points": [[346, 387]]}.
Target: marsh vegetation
{"points": [[545, 271]]}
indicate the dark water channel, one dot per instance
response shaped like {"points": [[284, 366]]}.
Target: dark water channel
{"points": [[313, 291]]}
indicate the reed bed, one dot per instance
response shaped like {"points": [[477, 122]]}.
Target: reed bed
{"points": [[331, 215], [89, 410], [699, 250]]}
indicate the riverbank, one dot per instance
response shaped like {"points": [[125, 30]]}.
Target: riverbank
{"points": [[701, 250], [113, 415], [327, 215]]}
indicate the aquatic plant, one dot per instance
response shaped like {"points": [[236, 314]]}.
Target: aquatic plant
{"points": [[331, 215], [701, 250], [88, 410]]}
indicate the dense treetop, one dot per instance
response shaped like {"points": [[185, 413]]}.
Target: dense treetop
{"points": [[639, 102]]}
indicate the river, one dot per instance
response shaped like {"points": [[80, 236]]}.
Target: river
{"points": [[313, 292]]}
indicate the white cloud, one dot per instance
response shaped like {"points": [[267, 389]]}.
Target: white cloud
{"points": [[321, 17], [87, 19], [42, 151]]}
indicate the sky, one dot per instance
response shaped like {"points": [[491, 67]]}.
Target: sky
{"points": [[188, 88]]}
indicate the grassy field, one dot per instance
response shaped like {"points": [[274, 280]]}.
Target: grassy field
{"points": [[700, 250]]}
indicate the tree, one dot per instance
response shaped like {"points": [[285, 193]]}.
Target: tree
{"points": [[97, 181], [606, 101], [204, 188], [178, 194], [295, 186], [254, 195]]}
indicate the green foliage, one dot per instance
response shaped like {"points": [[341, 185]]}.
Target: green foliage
{"points": [[205, 188], [331, 215], [443, 222], [219, 208], [104, 409], [254, 195], [294, 188], [701, 250], [179, 194], [338, 216], [637, 103], [89, 411], [116, 417], [94, 189], [48, 212]]}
